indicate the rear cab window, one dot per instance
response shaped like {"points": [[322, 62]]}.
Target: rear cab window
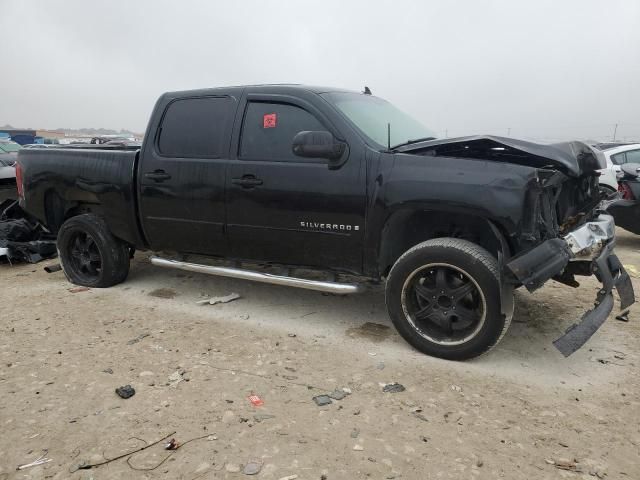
{"points": [[195, 127]]}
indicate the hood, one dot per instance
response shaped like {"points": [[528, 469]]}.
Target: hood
{"points": [[573, 158]]}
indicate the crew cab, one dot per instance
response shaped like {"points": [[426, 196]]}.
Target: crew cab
{"points": [[308, 178]]}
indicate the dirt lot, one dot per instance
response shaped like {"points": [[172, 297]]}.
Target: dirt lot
{"points": [[510, 414]]}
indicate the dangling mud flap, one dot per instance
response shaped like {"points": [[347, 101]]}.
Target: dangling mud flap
{"points": [[612, 274], [551, 258]]}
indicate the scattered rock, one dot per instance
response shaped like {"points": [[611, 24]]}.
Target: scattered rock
{"points": [[339, 393], [108, 370], [215, 300], [175, 378], [252, 468], [456, 388], [358, 448], [126, 391], [292, 335], [322, 400], [355, 432], [393, 388], [380, 366]]}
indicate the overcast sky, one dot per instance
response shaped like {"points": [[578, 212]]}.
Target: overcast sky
{"points": [[544, 69]]}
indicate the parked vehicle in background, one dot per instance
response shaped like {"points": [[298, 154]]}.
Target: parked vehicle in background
{"points": [[627, 212], [42, 145], [616, 156], [343, 182], [8, 156]]}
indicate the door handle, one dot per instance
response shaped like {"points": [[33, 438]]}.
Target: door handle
{"points": [[247, 181], [157, 175]]}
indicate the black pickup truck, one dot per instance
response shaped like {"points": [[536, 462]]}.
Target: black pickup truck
{"points": [[308, 178]]}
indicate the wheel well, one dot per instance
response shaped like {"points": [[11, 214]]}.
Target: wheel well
{"points": [[57, 210], [407, 229]]}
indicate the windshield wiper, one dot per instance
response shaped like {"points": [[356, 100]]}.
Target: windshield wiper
{"points": [[415, 140]]}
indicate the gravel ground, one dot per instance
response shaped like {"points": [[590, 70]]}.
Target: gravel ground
{"points": [[520, 412]]}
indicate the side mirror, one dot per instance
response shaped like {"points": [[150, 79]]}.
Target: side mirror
{"points": [[318, 144]]}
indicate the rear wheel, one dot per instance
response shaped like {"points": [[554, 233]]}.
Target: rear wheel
{"points": [[443, 296], [89, 254]]}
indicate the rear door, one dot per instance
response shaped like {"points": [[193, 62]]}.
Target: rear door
{"points": [[182, 175], [291, 210]]}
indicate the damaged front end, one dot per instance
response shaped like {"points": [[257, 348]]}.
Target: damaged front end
{"points": [[585, 250]]}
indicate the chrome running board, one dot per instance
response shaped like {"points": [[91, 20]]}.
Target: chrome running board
{"points": [[331, 287]]}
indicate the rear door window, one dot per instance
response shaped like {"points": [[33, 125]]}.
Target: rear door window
{"points": [[195, 127], [633, 156], [269, 128]]}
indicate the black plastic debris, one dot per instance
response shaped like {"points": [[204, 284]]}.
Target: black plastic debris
{"points": [[23, 238], [126, 391]]}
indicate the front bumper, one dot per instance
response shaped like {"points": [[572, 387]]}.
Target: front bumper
{"points": [[593, 244]]}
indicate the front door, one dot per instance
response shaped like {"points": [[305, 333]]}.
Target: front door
{"points": [[287, 209], [182, 175]]}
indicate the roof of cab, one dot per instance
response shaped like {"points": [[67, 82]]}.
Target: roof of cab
{"points": [[264, 88]]}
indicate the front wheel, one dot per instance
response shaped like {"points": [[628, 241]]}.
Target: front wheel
{"points": [[89, 254], [443, 297]]}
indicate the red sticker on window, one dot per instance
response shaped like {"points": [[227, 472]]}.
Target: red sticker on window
{"points": [[269, 120]]}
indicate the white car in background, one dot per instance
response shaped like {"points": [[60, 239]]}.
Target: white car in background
{"points": [[8, 156], [616, 156]]}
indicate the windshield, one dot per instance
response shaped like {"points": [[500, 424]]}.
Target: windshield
{"points": [[373, 115], [9, 147]]}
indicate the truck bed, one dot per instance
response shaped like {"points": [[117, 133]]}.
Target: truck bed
{"points": [[104, 178]]}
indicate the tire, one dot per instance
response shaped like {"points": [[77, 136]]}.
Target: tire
{"points": [[90, 255], [443, 296]]}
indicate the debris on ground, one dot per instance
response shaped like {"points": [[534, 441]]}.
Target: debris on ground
{"points": [[215, 300], [322, 400], [78, 289], [108, 370], [393, 388], [358, 448], [456, 388], [38, 461], [88, 466], [172, 445], [252, 468], [623, 317], [563, 464], [126, 391], [175, 378], [22, 237], [289, 477], [355, 432], [232, 468], [255, 400], [137, 339], [339, 393], [292, 335], [260, 417], [53, 268]]}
